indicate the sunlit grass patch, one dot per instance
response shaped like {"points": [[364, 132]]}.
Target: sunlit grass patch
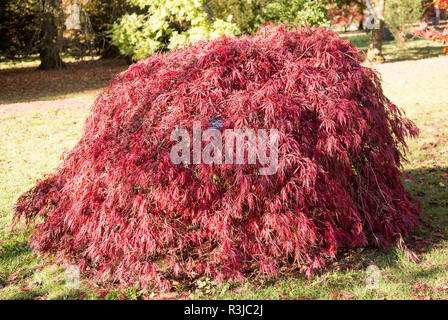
{"points": [[412, 49]]}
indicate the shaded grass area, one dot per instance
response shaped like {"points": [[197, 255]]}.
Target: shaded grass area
{"points": [[31, 144], [413, 49], [22, 82]]}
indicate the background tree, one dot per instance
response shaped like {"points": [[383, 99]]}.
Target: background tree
{"points": [[301, 12], [375, 51], [49, 19], [162, 25], [246, 14], [249, 15], [345, 14], [38, 27], [401, 14], [354, 8], [17, 28], [32, 26], [103, 14], [166, 24]]}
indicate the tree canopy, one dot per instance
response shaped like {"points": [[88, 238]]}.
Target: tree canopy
{"points": [[165, 24]]}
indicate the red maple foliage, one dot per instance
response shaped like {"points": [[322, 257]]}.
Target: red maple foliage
{"points": [[345, 15], [431, 33], [119, 207]]}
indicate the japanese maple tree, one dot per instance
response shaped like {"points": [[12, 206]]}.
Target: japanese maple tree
{"points": [[122, 210]]}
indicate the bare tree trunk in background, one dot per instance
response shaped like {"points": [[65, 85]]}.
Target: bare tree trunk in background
{"points": [[362, 10], [114, 10], [437, 19], [208, 10], [375, 51], [361, 25], [48, 46]]}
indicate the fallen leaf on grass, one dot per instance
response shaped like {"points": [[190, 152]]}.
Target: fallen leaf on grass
{"points": [[342, 295], [284, 296], [408, 177], [438, 234], [40, 266], [421, 297], [14, 276], [444, 288], [31, 286], [409, 254], [102, 293], [421, 287], [345, 267], [428, 145]]}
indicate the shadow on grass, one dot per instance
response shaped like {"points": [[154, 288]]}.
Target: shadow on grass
{"points": [[40, 294], [424, 186], [430, 187], [72, 295], [29, 84], [431, 194], [10, 253], [14, 250], [413, 53], [413, 49], [24, 295]]}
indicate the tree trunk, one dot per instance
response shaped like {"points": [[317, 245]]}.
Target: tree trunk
{"points": [[360, 25], [50, 59], [437, 18], [48, 47], [375, 52], [361, 22], [208, 10]]}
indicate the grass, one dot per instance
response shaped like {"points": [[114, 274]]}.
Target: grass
{"points": [[31, 144], [22, 82], [30, 147], [33, 61], [413, 49]]}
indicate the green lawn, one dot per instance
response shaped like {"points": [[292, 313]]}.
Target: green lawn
{"points": [[413, 49], [31, 144]]}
